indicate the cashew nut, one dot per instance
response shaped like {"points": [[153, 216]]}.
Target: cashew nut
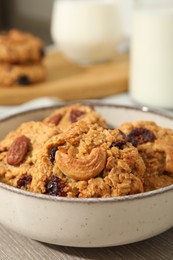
{"points": [[161, 145], [82, 169]]}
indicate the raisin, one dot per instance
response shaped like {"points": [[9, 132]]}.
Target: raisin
{"points": [[52, 154], [24, 181], [23, 80], [42, 52], [55, 187], [120, 144], [140, 136], [75, 114]]}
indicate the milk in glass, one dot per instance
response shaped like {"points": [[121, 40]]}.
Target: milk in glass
{"points": [[86, 31], [151, 68]]}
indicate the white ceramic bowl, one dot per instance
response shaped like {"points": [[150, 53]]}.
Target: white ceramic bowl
{"points": [[87, 222]]}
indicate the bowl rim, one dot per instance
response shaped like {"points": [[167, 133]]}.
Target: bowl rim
{"points": [[133, 197], [88, 200], [143, 109]]}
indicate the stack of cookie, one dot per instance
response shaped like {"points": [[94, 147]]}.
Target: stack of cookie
{"points": [[21, 59]]}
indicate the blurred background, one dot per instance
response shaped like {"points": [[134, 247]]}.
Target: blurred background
{"points": [[35, 16]]}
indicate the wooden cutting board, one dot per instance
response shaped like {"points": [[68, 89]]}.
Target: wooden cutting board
{"points": [[68, 81]]}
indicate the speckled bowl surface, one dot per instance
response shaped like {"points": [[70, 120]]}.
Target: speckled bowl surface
{"points": [[87, 222]]}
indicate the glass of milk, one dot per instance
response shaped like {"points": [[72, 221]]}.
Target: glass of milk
{"points": [[151, 68], [86, 31]]}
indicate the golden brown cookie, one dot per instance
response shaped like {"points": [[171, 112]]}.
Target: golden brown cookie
{"points": [[20, 47], [88, 161], [65, 116], [18, 152], [155, 145], [14, 74]]}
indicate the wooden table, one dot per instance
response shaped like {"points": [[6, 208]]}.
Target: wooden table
{"points": [[16, 247], [68, 81]]}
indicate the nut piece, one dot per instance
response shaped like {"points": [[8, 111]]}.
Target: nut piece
{"points": [[18, 150], [82, 169], [55, 119], [75, 115]]}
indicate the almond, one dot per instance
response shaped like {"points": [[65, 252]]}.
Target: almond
{"points": [[75, 114], [18, 150], [55, 119]]}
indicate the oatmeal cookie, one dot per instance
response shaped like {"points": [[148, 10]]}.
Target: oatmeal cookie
{"points": [[12, 74], [64, 117], [18, 152], [20, 47], [155, 145], [88, 161]]}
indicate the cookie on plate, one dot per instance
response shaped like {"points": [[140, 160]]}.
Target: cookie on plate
{"points": [[20, 47], [26, 74]]}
